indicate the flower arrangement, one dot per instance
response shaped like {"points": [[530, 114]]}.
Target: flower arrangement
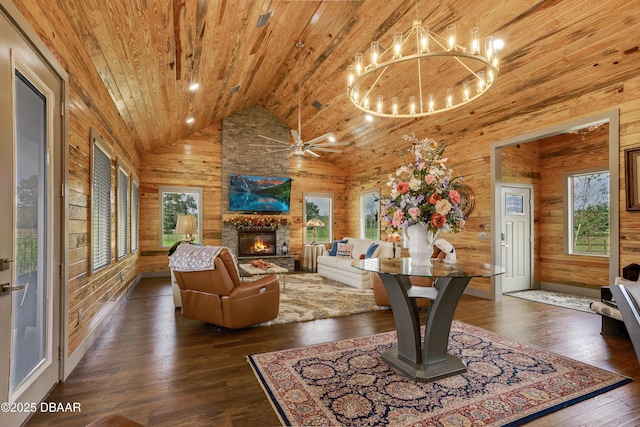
{"points": [[257, 221], [422, 191]]}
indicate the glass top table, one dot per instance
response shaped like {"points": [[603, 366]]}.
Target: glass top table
{"points": [[427, 360]]}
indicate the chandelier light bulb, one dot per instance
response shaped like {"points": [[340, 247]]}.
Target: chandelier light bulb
{"points": [[481, 82], [430, 66], [375, 51], [359, 63], [488, 48], [474, 47], [451, 36], [397, 45], [465, 90]]}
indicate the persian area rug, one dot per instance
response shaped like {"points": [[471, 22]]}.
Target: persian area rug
{"points": [[309, 296], [347, 383], [574, 302]]}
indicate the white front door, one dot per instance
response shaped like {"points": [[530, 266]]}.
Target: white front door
{"points": [[516, 238], [30, 226]]}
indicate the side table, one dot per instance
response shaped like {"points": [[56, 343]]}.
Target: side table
{"points": [[310, 254]]}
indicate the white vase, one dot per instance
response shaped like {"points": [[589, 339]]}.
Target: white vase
{"points": [[421, 241]]}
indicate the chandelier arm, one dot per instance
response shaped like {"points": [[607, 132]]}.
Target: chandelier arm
{"points": [[374, 83]]}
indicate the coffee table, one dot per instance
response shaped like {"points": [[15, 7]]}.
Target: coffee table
{"points": [[272, 268], [429, 360]]}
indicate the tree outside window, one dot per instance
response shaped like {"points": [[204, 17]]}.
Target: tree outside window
{"points": [[176, 201], [589, 213], [369, 215], [319, 206]]}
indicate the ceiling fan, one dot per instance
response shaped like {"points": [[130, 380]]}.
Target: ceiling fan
{"points": [[300, 147]]}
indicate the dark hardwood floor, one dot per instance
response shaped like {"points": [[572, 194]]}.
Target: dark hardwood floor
{"points": [[154, 366]]}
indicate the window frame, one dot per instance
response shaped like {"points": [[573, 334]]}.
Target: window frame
{"points": [[328, 224], [179, 189], [123, 214], [568, 177], [134, 235], [99, 143], [364, 194]]}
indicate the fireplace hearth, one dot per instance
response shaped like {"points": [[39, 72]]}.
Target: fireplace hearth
{"points": [[257, 242]]}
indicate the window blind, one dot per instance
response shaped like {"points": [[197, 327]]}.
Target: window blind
{"points": [[123, 212], [101, 209]]}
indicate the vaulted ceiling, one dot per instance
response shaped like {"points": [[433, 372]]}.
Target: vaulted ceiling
{"points": [[147, 53]]}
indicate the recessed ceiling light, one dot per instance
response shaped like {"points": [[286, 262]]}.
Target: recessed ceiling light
{"points": [[190, 120], [368, 117], [194, 86], [332, 138], [498, 44]]}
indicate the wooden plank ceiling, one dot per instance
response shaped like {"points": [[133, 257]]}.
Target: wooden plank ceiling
{"points": [[149, 51]]}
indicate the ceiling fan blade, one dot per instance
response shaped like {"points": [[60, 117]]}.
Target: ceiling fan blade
{"points": [[327, 150], [273, 139], [278, 150], [311, 153], [320, 138], [331, 144], [296, 137]]}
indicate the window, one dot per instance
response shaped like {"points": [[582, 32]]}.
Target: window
{"points": [[175, 201], [588, 213], [135, 207], [123, 212], [100, 204], [319, 206], [369, 214]]}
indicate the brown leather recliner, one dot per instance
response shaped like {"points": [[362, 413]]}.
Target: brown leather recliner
{"points": [[380, 293], [218, 296]]}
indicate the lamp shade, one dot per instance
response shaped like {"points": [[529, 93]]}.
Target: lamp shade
{"points": [[315, 222], [186, 224]]}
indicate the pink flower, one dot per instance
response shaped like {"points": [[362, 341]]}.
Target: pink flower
{"points": [[454, 196], [414, 212], [398, 216], [430, 179], [402, 187], [434, 198]]}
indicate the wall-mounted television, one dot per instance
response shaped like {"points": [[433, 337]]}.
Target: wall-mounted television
{"points": [[259, 193]]}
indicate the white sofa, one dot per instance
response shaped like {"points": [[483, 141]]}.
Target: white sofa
{"points": [[340, 269]]}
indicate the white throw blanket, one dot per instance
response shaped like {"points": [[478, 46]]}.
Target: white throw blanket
{"points": [[447, 248], [194, 257]]}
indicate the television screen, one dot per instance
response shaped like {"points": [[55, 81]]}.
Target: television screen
{"points": [[259, 193]]}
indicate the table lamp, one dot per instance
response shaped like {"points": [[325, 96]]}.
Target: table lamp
{"points": [[314, 222], [186, 224]]}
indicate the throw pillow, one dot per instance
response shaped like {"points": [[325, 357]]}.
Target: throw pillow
{"points": [[371, 251], [334, 248], [344, 250]]}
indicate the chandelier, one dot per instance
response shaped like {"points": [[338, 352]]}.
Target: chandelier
{"points": [[422, 73]]}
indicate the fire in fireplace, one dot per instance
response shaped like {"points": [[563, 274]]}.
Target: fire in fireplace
{"points": [[256, 243]]}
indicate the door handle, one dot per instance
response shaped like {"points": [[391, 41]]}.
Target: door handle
{"points": [[4, 263], [7, 289]]}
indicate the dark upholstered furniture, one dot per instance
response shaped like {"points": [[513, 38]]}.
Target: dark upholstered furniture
{"points": [[627, 296], [218, 296]]}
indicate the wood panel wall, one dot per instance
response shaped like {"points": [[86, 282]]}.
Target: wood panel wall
{"points": [[89, 106], [197, 161], [559, 155]]}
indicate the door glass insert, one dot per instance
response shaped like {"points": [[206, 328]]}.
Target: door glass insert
{"points": [[29, 304]]}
